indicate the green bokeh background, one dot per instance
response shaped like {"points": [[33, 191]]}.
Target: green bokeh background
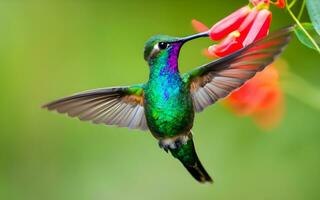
{"points": [[52, 48]]}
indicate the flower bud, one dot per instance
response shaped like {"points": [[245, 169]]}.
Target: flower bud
{"points": [[280, 3]]}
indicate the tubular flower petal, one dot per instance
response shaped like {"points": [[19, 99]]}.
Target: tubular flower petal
{"points": [[208, 54], [226, 46], [259, 28], [264, 31], [246, 25], [198, 26], [229, 24]]}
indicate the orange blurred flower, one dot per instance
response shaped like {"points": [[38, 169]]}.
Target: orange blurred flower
{"points": [[261, 97]]}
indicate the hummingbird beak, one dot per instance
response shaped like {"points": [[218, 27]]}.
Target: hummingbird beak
{"points": [[191, 37]]}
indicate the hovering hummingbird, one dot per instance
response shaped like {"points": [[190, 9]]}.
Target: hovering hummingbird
{"points": [[166, 104]]}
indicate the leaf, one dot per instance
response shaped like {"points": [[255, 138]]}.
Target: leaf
{"points": [[313, 7], [304, 39]]}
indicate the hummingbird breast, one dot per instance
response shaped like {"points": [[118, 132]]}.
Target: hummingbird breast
{"points": [[168, 107]]}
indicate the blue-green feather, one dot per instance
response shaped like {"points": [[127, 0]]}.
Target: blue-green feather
{"points": [[168, 104]]}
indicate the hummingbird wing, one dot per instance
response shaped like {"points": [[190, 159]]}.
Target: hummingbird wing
{"points": [[217, 79], [121, 106]]}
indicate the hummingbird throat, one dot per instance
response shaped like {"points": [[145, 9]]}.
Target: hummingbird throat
{"points": [[167, 62]]}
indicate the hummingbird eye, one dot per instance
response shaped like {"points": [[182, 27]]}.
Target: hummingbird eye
{"points": [[162, 45]]}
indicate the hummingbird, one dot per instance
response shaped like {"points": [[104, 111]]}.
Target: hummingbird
{"points": [[166, 104]]}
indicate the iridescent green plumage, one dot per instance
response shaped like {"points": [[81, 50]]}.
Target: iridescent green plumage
{"points": [[168, 105], [167, 102]]}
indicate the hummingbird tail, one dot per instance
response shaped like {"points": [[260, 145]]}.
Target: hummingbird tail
{"points": [[198, 172], [187, 155]]}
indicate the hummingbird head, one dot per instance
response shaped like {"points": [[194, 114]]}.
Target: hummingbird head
{"points": [[162, 46]]}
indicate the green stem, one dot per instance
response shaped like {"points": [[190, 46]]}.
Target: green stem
{"points": [[301, 90], [291, 4], [304, 30], [302, 9]]}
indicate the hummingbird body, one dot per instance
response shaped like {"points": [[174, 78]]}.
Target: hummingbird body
{"points": [[167, 103], [169, 108]]}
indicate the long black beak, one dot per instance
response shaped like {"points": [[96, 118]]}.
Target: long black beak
{"points": [[191, 37]]}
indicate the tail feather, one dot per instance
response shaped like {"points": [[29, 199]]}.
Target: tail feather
{"points": [[187, 155], [198, 172]]}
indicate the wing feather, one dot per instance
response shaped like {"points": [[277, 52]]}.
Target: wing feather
{"points": [[120, 106], [216, 80]]}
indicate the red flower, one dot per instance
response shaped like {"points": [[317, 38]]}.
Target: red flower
{"points": [[261, 97], [249, 27], [240, 28]]}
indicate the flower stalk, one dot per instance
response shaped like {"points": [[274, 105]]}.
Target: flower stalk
{"points": [[296, 20]]}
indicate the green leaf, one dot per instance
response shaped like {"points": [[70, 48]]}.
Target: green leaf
{"points": [[313, 7], [304, 39]]}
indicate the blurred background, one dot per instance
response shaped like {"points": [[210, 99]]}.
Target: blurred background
{"points": [[50, 49]]}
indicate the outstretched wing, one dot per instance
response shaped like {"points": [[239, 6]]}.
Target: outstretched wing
{"points": [[219, 78], [121, 106]]}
